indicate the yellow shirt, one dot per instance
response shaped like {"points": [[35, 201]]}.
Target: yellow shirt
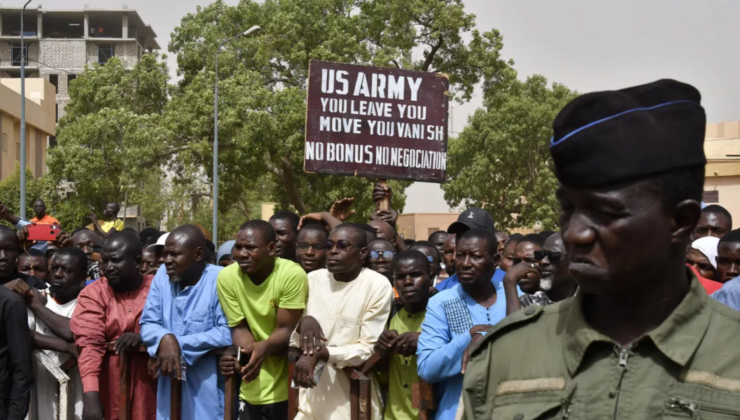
{"points": [[107, 225], [241, 299]]}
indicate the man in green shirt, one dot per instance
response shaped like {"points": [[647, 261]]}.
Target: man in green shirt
{"points": [[263, 297], [641, 339], [412, 280]]}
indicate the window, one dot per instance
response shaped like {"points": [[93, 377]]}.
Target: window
{"points": [[17, 55], [70, 77], [57, 112], [54, 80], [5, 143], [52, 141], [105, 52], [710, 197], [18, 151], [431, 230]]}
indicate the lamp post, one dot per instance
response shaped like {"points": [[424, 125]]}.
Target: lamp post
{"points": [[215, 135], [23, 117]]}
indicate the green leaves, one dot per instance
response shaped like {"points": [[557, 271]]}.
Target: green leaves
{"points": [[126, 130], [501, 161]]}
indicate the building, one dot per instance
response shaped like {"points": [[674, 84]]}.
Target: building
{"points": [[60, 43], [418, 226], [722, 183], [40, 124]]}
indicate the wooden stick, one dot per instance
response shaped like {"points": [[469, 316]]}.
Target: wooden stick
{"points": [[383, 204], [175, 399]]}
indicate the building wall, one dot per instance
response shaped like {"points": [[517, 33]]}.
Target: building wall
{"points": [[40, 124], [729, 194], [10, 147], [128, 53], [419, 226], [92, 53], [5, 54], [63, 53]]}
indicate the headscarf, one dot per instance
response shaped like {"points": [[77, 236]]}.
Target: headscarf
{"points": [[225, 249], [707, 246]]}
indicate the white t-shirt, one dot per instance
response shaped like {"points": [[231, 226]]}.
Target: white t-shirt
{"points": [[46, 396]]}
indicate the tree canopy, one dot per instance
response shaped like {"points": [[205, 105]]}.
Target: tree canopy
{"points": [[127, 131], [501, 161]]}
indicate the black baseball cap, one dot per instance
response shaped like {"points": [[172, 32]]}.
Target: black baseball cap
{"points": [[472, 218]]}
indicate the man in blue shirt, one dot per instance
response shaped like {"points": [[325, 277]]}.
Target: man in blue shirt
{"points": [[728, 268], [454, 316], [471, 218], [183, 318]]}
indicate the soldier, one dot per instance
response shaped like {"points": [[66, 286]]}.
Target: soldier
{"points": [[641, 339]]}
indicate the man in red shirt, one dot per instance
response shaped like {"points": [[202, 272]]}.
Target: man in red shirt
{"points": [[109, 310]]}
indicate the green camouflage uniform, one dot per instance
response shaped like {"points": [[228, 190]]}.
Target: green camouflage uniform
{"points": [[548, 363]]}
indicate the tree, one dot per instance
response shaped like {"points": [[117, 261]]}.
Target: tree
{"points": [[262, 86], [112, 140], [10, 192], [501, 161]]}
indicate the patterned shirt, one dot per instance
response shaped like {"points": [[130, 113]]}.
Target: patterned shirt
{"points": [[445, 334], [538, 298]]}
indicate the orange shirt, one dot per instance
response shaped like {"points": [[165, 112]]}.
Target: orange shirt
{"points": [[47, 220]]}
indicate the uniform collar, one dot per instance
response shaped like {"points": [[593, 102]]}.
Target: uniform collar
{"points": [[677, 337]]}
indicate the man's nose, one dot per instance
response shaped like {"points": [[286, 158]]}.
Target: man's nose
{"points": [[578, 231]]}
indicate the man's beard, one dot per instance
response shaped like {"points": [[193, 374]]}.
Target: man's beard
{"points": [[175, 278], [546, 285]]}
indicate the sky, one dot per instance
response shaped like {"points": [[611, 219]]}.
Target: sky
{"points": [[587, 45]]}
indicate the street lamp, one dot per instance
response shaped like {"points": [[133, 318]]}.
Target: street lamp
{"points": [[215, 135], [23, 117]]}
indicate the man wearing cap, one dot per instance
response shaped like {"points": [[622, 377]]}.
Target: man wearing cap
{"points": [[641, 339], [471, 218]]}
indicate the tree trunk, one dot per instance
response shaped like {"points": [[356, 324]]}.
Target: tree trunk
{"points": [[289, 181]]}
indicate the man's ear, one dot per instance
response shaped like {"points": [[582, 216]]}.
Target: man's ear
{"points": [[685, 217], [199, 254], [496, 259], [272, 249], [363, 253]]}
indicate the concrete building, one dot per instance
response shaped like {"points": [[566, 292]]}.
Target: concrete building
{"points": [[722, 184], [418, 226], [60, 43], [40, 124]]}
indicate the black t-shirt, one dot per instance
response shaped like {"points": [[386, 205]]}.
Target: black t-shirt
{"points": [[32, 281]]}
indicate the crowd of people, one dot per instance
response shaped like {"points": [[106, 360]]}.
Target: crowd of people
{"points": [[608, 317]]}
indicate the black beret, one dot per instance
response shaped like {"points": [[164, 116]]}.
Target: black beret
{"points": [[615, 136]]}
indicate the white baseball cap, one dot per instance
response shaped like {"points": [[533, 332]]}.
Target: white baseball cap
{"points": [[160, 241]]}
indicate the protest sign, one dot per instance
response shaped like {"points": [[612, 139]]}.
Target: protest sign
{"points": [[376, 122]]}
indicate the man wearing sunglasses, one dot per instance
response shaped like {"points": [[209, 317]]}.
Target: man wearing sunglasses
{"points": [[347, 310], [524, 252], [551, 268], [380, 257], [641, 339]]}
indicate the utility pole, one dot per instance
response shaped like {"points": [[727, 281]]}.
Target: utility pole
{"points": [[23, 116], [215, 135]]}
